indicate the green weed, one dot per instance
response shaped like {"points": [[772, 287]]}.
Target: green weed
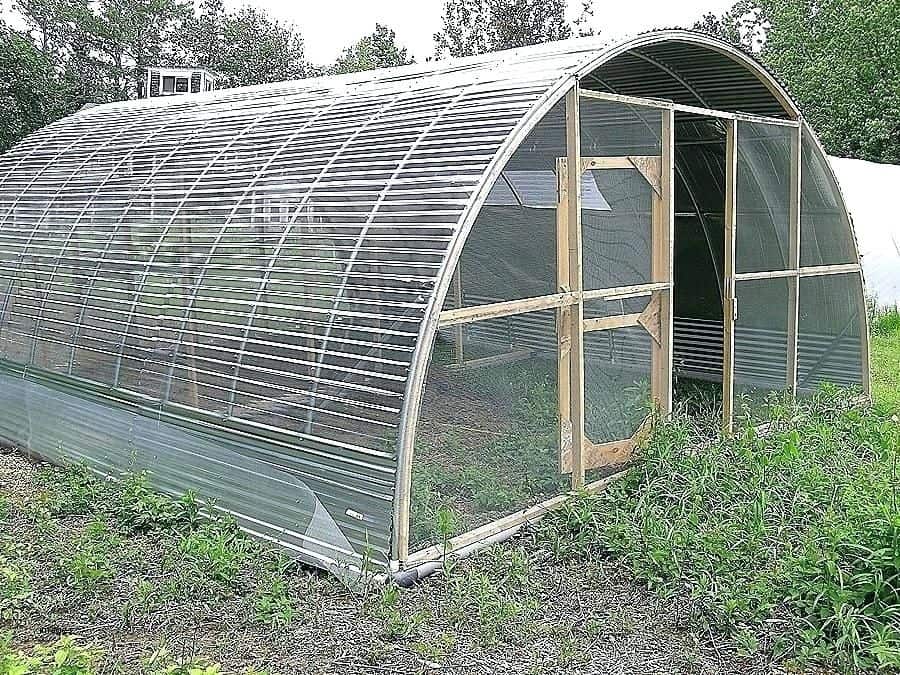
{"points": [[799, 524], [15, 588], [272, 605], [64, 657]]}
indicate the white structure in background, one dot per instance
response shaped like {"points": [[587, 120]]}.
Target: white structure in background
{"points": [[869, 190], [176, 82]]}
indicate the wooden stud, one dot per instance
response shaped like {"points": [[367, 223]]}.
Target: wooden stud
{"points": [[564, 314], [662, 271], [729, 301], [459, 333], [624, 292], [576, 337], [692, 109], [496, 310], [793, 318]]}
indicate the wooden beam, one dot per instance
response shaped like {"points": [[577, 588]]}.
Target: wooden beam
{"points": [[501, 525], [729, 301], [611, 322], [459, 335], [564, 313], [624, 292], [597, 455], [680, 107], [497, 310], [651, 169], [660, 313], [793, 309], [576, 337], [823, 270]]}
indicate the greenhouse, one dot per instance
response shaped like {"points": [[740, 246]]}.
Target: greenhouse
{"points": [[382, 317]]}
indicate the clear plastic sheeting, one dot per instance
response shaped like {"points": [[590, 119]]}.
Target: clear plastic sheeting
{"points": [[763, 197], [830, 333], [870, 193], [487, 443], [257, 262]]}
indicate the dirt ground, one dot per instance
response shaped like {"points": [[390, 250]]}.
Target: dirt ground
{"points": [[517, 608]]}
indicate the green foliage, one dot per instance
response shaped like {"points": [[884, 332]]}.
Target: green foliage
{"points": [[140, 509], [89, 562], [378, 50], [215, 552], [161, 662], [65, 657], [478, 26], [886, 362], [799, 526], [272, 603], [839, 59], [15, 588], [244, 47]]}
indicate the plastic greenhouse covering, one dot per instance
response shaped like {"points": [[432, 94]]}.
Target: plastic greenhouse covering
{"points": [[383, 316]]}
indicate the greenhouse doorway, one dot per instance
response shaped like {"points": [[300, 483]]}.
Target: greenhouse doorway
{"points": [[699, 261]]}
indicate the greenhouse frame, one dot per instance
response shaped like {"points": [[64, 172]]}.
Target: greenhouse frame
{"points": [[378, 318]]}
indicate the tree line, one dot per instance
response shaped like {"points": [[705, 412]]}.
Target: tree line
{"points": [[839, 58]]}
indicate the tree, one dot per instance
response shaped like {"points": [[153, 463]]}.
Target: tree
{"points": [[28, 87], [841, 62], [378, 50], [134, 34], [246, 47], [478, 26], [743, 26]]}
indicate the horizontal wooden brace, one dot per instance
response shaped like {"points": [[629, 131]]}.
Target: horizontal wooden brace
{"points": [[623, 292], [611, 322], [823, 270], [680, 107], [818, 271], [496, 310]]}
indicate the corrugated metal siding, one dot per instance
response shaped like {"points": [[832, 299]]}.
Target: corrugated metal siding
{"points": [[227, 289]]}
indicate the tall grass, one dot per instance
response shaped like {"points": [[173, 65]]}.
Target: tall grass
{"points": [[791, 537]]}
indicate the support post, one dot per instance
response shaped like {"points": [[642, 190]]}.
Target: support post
{"points": [[663, 228], [575, 282], [793, 318], [729, 299]]}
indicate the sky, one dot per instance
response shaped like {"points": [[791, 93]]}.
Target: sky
{"points": [[330, 25]]}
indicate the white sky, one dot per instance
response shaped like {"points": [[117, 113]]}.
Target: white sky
{"points": [[330, 25]]}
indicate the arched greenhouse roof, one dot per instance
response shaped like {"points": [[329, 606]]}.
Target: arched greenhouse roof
{"points": [[239, 290]]}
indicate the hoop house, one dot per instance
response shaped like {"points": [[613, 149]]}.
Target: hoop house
{"points": [[384, 316]]}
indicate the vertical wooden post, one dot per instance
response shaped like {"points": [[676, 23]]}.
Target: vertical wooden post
{"points": [[663, 238], [729, 299], [793, 318], [576, 311], [460, 356], [563, 317]]}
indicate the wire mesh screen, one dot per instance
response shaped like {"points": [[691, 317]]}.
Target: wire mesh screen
{"points": [[615, 129], [829, 335], [763, 197], [487, 440], [760, 339], [617, 242], [826, 237]]}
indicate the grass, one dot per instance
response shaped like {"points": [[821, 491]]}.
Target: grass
{"points": [[886, 359], [797, 527]]}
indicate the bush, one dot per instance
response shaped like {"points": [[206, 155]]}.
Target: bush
{"points": [[800, 524]]}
